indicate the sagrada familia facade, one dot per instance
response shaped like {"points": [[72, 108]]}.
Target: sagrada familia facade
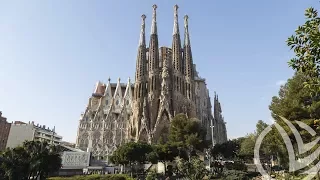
{"points": [[166, 84]]}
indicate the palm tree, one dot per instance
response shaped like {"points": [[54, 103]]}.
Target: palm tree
{"points": [[15, 163], [44, 158], [33, 160]]}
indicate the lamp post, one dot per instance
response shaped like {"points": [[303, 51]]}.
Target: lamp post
{"points": [[212, 137]]}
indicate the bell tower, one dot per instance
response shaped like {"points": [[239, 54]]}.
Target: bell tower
{"points": [[140, 90]]}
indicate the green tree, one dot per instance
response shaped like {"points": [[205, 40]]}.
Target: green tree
{"points": [[32, 160], [131, 153], [43, 158], [272, 145], [163, 153], [187, 134], [260, 126], [294, 103], [269, 146], [15, 163], [306, 45], [229, 149], [194, 169], [247, 146], [1, 170]]}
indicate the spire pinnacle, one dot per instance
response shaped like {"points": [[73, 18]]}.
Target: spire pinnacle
{"points": [[186, 31], [142, 41], [175, 24], [154, 20]]}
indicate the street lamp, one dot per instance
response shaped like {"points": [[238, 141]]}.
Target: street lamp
{"points": [[212, 137]]}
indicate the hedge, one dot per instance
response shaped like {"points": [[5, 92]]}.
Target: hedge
{"points": [[94, 177]]}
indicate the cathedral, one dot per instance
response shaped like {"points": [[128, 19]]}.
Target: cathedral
{"points": [[166, 84]]}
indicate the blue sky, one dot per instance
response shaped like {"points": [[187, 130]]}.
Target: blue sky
{"points": [[53, 52]]}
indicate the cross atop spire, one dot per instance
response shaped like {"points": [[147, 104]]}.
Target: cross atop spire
{"points": [[142, 41], [154, 20], [175, 24]]}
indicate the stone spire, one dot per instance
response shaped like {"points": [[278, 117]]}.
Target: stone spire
{"points": [[176, 44], [153, 44], [153, 54], [154, 20], [154, 86], [141, 62], [186, 31], [142, 41], [175, 23], [189, 72]]}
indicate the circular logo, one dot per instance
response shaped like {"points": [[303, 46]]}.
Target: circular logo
{"points": [[294, 163]]}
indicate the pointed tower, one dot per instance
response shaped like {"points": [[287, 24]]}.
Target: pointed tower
{"points": [[140, 83], [153, 51], [141, 57], [154, 84], [177, 61], [189, 72], [140, 88]]}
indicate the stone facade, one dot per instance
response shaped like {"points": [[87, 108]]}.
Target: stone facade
{"points": [[166, 84], [219, 130], [103, 124], [20, 132], [4, 132]]}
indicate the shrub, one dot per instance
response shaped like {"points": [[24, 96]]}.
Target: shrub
{"points": [[152, 175], [237, 165], [234, 175], [94, 177]]}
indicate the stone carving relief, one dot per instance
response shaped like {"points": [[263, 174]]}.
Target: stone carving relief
{"points": [[150, 96]]}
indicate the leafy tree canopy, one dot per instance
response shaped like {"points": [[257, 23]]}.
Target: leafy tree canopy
{"points": [[193, 170], [306, 46], [131, 152], [229, 149], [187, 133], [32, 160], [247, 146], [294, 102]]}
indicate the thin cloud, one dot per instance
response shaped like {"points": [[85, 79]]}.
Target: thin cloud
{"points": [[280, 82]]}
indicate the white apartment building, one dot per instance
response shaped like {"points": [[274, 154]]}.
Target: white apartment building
{"points": [[21, 132]]}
